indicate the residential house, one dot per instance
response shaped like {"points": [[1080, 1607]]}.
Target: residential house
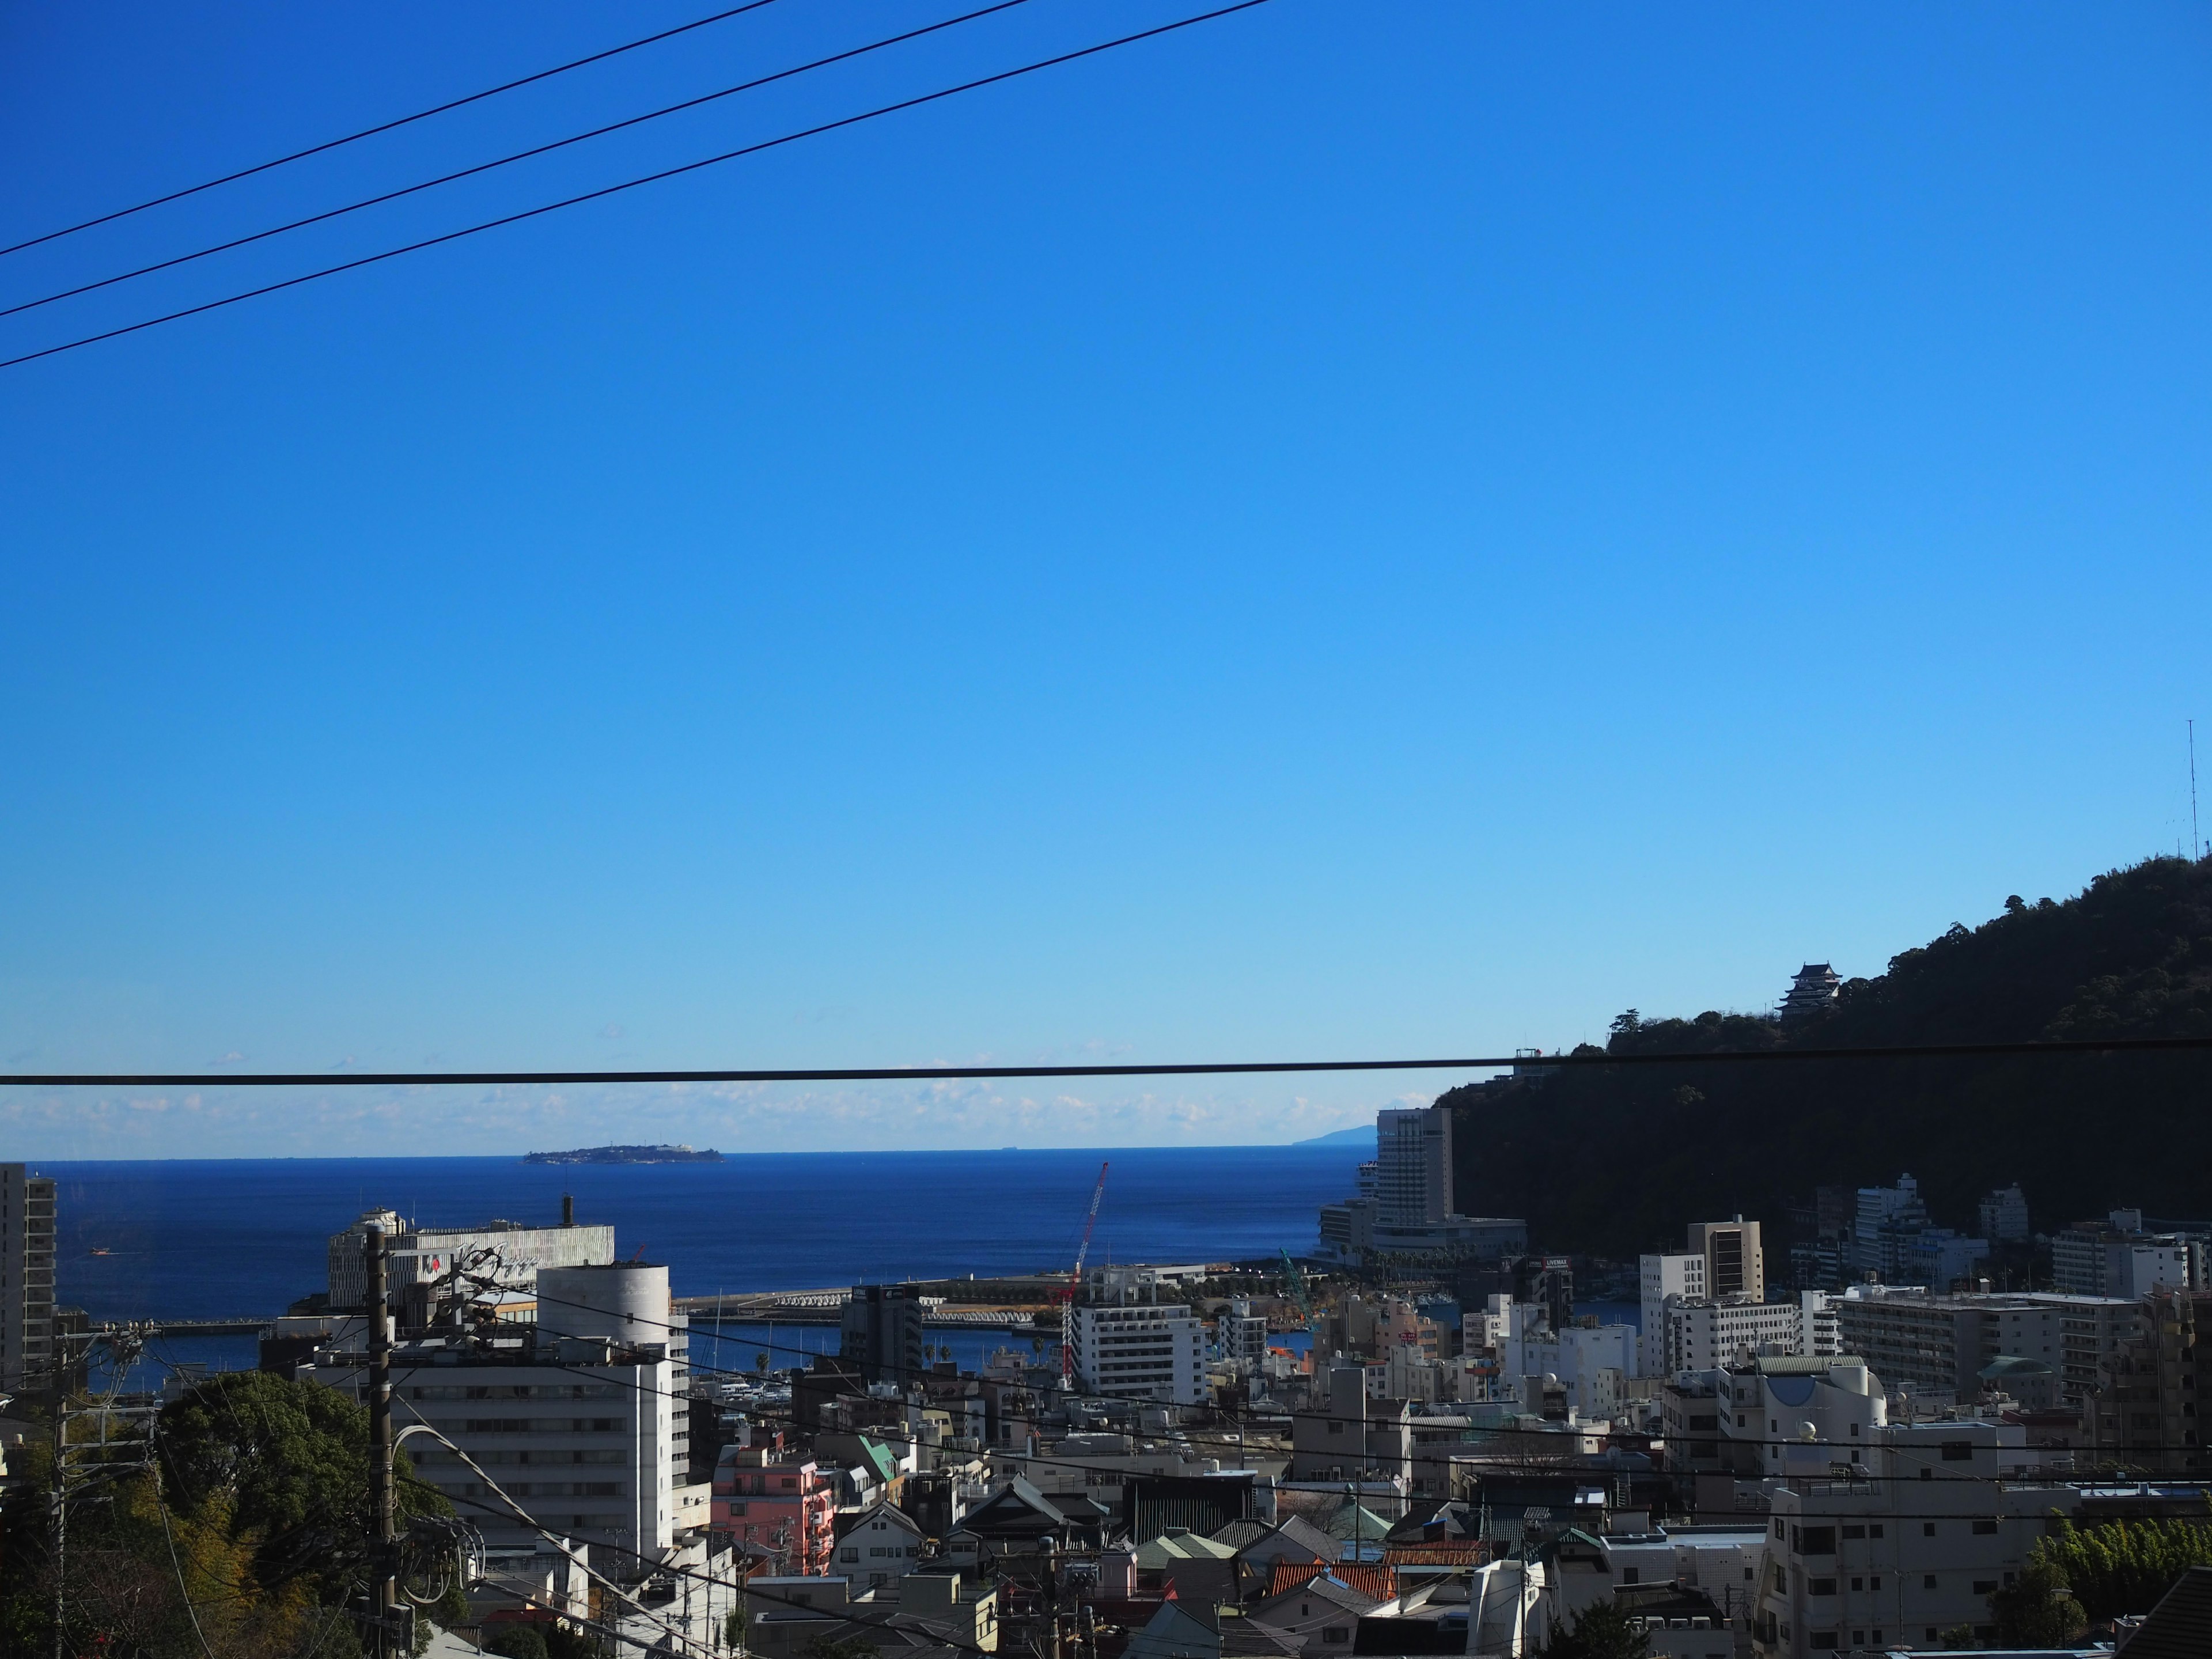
{"points": [[878, 1544]]}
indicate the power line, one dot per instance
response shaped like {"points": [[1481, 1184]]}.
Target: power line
{"points": [[647, 179], [933, 1073], [385, 126], [507, 160]]}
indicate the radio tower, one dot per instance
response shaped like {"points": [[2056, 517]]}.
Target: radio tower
{"points": [[1074, 1285]]}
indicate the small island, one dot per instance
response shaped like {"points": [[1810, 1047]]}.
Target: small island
{"points": [[627, 1155]]}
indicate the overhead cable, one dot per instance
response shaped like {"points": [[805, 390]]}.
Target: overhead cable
{"points": [[1534, 1062], [507, 161], [881, 110], [384, 126]]}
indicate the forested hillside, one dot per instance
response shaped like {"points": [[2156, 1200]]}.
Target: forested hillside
{"points": [[1617, 1160]]}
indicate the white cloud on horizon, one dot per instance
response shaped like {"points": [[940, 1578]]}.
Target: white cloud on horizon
{"points": [[221, 1119]]}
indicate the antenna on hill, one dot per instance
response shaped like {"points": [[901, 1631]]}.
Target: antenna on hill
{"points": [[2195, 843]]}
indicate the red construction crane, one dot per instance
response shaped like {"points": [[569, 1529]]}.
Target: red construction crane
{"points": [[1074, 1285]]}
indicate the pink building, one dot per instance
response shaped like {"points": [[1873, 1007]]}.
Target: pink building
{"points": [[776, 1504]]}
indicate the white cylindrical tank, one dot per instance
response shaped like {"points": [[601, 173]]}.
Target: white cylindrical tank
{"points": [[624, 1302]]}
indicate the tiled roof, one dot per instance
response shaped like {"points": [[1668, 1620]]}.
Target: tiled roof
{"points": [[1458, 1552], [1369, 1578], [2180, 1626]]}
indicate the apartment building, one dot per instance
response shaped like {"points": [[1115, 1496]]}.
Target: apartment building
{"points": [[583, 1426], [1937, 1346], [1131, 1343], [1662, 1277], [1243, 1336], [1720, 1284], [2144, 1412], [783, 1506], [1348, 1435], [1737, 1421], [1700, 1335], [26, 1278], [2117, 1257], [1937, 1519], [881, 1331]]}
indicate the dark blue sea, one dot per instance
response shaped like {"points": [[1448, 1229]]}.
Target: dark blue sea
{"points": [[237, 1238]]}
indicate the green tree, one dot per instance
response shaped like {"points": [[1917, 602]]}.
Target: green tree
{"points": [[2038, 1611], [515, 1641], [2123, 1567], [289, 1463], [1602, 1631]]}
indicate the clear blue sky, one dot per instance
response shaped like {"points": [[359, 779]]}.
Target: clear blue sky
{"points": [[1352, 530]]}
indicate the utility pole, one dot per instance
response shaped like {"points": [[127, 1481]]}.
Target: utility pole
{"points": [[384, 1588], [61, 1516]]}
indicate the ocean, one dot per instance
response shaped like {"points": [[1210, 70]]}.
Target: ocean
{"points": [[238, 1239]]}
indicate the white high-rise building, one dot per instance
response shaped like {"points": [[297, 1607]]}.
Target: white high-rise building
{"points": [[26, 1278], [1131, 1344], [1681, 1277], [1414, 1163], [1724, 1264], [582, 1421]]}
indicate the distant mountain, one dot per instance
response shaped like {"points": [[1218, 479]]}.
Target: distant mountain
{"points": [[1360, 1134], [1617, 1160]]}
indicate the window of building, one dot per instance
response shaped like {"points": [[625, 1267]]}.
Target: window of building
{"points": [[1927, 1529], [1820, 1587], [1858, 1583], [1874, 1529], [1874, 1584], [1986, 1525], [1958, 1451], [1335, 1633], [1821, 1640], [1854, 1532], [1985, 1587], [1928, 1581], [1819, 1541]]}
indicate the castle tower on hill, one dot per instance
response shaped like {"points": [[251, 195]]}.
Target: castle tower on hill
{"points": [[1813, 990]]}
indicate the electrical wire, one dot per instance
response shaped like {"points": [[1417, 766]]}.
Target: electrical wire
{"points": [[531, 1521], [385, 126], [2029, 1050], [162, 1508], [881, 110], [508, 160]]}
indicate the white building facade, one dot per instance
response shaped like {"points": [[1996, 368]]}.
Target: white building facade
{"points": [[1131, 1344], [505, 1252], [585, 1429], [1700, 1336]]}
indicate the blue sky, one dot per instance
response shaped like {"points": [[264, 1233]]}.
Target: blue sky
{"points": [[1348, 530]]}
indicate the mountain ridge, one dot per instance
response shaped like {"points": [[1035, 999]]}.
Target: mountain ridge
{"points": [[1617, 1161]]}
